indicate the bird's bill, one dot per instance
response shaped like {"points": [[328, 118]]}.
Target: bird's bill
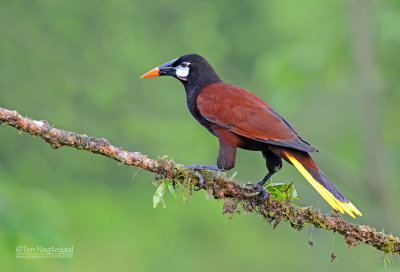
{"points": [[163, 70], [152, 73]]}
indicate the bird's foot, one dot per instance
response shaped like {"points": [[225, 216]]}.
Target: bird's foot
{"points": [[198, 174], [260, 186], [204, 167], [262, 191]]}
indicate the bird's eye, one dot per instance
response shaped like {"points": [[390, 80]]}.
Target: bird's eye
{"points": [[184, 64]]}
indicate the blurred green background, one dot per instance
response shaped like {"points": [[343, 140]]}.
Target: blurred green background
{"points": [[331, 68]]}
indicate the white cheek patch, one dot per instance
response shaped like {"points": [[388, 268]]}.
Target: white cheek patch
{"points": [[182, 72]]}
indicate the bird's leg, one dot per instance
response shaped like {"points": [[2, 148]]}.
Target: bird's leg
{"points": [[226, 161], [274, 164], [264, 179]]}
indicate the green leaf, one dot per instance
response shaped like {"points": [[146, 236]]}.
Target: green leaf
{"points": [[277, 190], [282, 191], [294, 195], [158, 195], [172, 189]]}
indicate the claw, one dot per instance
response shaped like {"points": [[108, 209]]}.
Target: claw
{"points": [[262, 191], [201, 181]]}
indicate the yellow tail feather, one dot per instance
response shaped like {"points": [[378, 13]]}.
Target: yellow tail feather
{"points": [[338, 205]]}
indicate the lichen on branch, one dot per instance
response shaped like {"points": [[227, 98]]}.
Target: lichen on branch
{"points": [[237, 198]]}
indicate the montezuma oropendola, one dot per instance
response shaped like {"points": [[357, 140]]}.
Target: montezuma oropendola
{"points": [[239, 118]]}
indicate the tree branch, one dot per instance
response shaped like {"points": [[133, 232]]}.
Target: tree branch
{"points": [[237, 198]]}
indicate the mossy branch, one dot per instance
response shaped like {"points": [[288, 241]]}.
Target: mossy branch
{"points": [[237, 198]]}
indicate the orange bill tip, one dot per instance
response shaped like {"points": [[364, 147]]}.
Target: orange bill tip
{"points": [[152, 73]]}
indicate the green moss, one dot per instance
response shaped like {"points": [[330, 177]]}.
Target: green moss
{"points": [[388, 246]]}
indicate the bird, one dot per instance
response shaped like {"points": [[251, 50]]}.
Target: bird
{"points": [[240, 119]]}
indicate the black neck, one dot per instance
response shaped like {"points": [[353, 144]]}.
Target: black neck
{"points": [[194, 84]]}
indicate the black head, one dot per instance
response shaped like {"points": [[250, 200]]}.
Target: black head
{"points": [[192, 70]]}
